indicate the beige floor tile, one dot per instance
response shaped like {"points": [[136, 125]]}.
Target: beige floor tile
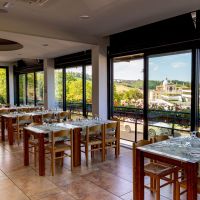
{"points": [[31, 185], [9, 191]]}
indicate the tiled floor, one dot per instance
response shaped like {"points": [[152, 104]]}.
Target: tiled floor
{"points": [[110, 180]]}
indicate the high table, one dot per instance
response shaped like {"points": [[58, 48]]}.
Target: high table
{"points": [[181, 151], [40, 131]]}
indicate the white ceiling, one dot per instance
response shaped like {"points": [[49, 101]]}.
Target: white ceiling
{"points": [[60, 19]]}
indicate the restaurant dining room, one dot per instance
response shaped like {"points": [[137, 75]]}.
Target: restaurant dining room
{"points": [[99, 100]]}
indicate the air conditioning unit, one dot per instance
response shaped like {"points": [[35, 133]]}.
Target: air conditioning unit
{"points": [[35, 2]]}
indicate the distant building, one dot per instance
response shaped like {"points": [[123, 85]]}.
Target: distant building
{"points": [[171, 92]]}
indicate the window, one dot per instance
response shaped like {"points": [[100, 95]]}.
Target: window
{"points": [[169, 94], [30, 88], [22, 89], [39, 88], [89, 90], [128, 96], [74, 90], [59, 88], [3, 88]]}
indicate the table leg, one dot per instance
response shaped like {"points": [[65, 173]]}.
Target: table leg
{"points": [[2, 129], [191, 174], [139, 175], [10, 131], [118, 138], [41, 155], [26, 148], [76, 147]]}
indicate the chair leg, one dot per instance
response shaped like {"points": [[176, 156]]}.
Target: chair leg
{"points": [[86, 154], [152, 184], [35, 156], [52, 163], [157, 188]]}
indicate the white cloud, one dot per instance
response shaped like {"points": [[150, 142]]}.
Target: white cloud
{"points": [[179, 64]]}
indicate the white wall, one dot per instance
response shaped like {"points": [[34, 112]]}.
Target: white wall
{"points": [[99, 80], [49, 87]]}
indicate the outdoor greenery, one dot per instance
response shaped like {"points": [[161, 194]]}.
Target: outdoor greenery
{"points": [[74, 87], [3, 88]]}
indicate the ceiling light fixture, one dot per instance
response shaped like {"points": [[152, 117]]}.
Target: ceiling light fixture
{"points": [[6, 4], [84, 17]]}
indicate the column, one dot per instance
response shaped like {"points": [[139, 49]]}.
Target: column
{"points": [[49, 85], [11, 84], [99, 80]]}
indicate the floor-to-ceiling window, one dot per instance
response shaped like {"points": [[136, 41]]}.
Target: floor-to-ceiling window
{"points": [[168, 86], [74, 89], [30, 88], [22, 89], [3, 88], [39, 88], [89, 90], [169, 94], [59, 88], [128, 95]]}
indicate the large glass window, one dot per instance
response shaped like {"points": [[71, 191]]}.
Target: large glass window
{"points": [[128, 96], [22, 89], [30, 88], [3, 88], [89, 90], [74, 89], [169, 94], [59, 88], [39, 88]]}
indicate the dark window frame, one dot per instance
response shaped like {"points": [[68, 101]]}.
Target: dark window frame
{"points": [[84, 104], [17, 101], [7, 83], [195, 76]]}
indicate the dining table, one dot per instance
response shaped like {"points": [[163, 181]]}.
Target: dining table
{"points": [[39, 132], [183, 152], [8, 119]]}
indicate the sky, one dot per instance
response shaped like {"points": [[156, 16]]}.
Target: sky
{"points": [[172, 67]]}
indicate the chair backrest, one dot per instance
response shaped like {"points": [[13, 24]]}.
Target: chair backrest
{"points": [[111, 128], [62, 134], [159, 138], [4, 111], [47, 117], [93, 131], [24, 120], [34, 124], [135, 145], [64, 115]]}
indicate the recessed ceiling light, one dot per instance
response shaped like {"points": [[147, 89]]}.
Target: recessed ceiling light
{"points": [[45, 45], [84, 17]]}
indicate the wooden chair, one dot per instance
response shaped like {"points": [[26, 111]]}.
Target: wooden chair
{"points": [[21, 122], [33, 143], [48, 117], [64, 116], [159, 138], [60, 147], [155, 171], [93, 137], [112, 137], [182, 184]]}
